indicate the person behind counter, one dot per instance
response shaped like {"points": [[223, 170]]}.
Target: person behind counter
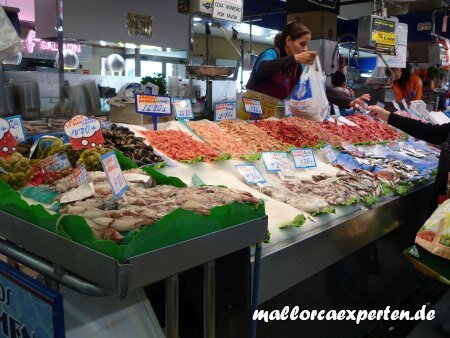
{"points": [[432, 133], [278, 69], [406, 85], [339, 82]]}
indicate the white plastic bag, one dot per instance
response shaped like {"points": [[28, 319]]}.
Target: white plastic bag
{"points": [[308, 99], [10, 42]]}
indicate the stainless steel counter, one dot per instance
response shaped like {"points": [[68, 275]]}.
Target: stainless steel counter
{"points": [[290, 262]]}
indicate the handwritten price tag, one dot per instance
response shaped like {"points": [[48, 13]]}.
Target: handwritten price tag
{"points": [[153, 104], [8, 143], [304, 158], [250, 174], [114, 173], [272, 160], [182, 109], [84, 132], [81, 175], [56, 162], [225, 111], [16, 127], [329, 153], [252, 106]]}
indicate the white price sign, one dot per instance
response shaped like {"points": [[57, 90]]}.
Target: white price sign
{"points": [[329, 153], [230, 10], [153, 104], [252, 106], [16, 127], [182, 109], [81, 175], [272, 160], [114, 173], [56, 162], [396, 105], [84, 132], [225, 111], [250, 174], [304, 158]]}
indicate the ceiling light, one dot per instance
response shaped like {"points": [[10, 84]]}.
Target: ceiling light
{"points": [[197, 19], [102, 43], [274, 32]]}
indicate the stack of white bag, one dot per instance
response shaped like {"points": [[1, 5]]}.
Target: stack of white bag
{"points": [[10, 42], [309, 100]]}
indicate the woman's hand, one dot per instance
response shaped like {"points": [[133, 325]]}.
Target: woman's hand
{"points": [[360, 101], [306, 58], [379, 112]]}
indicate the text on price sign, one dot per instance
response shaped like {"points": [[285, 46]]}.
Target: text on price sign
{"points": [[252, 106], [114, 173], [225, 111], [153, 104], [272, 160], [250, 174], [304, 158]]}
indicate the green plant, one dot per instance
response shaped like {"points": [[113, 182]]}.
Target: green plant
{"points": [[159, 80]]}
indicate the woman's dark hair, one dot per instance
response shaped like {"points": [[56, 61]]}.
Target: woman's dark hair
{"points": [[277, 40], [404, 78], [338, 78], [295, 30]]}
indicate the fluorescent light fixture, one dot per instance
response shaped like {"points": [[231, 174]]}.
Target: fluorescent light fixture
{"points": [[121, 44], [102, 43], [197, 19], [130, 45], [269, 37], [275, 32]]}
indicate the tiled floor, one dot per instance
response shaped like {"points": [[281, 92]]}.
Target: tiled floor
{"points": [[434, 329]]}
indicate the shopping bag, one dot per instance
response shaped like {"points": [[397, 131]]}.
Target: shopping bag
{"points": [[431, 252], [308, 99], [10, 42]]}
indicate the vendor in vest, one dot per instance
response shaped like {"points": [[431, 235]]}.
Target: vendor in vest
{"points": [[278, 69]]}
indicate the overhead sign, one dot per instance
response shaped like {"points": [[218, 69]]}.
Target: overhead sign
{"points": [[230, 10], [29, 308], [399, 59], [36, 48], [383, 34]]}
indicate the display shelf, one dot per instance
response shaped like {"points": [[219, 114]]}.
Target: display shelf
{"points": [[289, 262], [85, 266]]}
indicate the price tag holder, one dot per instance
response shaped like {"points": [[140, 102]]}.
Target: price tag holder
{"points": [[81, 175], [106, 124], [8, 143], [225, 111], [287, 110], [16, 128], [250, 174], [329, 153], [84, 132], [153, 105], [114, 173], [182, 109], [337, 112], [304, 158], [272, 160], [396, 105], [56, 162], [252, 107]]}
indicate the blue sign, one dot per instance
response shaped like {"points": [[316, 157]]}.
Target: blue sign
{"points": [[16, 128], [28, 308]]}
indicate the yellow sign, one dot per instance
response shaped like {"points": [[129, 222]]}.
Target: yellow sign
{"points": [[385, 38]]}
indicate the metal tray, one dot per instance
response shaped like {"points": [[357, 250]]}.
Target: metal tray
{"points": [[118, 277], [210, 72]]}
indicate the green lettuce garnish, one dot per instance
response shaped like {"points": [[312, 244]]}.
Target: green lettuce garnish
{"points": [[297, 222]]}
